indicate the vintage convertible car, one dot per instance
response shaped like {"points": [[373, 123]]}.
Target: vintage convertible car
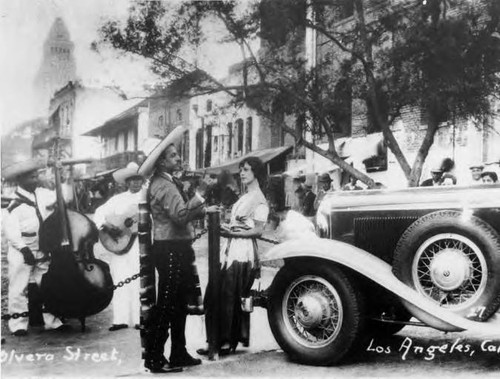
{"points": [[381, 257]]}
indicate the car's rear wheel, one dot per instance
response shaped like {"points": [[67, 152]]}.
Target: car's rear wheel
{"points": [[315, 313], [453, 259]]}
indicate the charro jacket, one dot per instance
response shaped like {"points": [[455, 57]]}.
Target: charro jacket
{"points": [[171, 210]]}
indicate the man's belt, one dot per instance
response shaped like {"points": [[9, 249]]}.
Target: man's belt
{"points": [[26, 234]]}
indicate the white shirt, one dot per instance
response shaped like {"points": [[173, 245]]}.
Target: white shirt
{"points": [[22, 224], [119, 207]]}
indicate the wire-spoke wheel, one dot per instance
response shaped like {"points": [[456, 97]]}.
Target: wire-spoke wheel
{"points": [[315, 313], [453, 260], [450, 269]]}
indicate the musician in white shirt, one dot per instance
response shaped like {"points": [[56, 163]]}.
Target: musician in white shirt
{"points": [[118, 213], [27, 264]]}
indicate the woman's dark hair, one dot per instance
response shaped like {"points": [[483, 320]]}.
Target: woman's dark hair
{"points": [[258, 169], [491, 174]]}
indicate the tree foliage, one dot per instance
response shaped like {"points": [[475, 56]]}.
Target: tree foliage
{"points": [[441, 56]]}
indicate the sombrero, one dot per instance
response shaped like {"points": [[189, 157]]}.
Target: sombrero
{"points": [[173, 137], [121, 175], [14, 170]]}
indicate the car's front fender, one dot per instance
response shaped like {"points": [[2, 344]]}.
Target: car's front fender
{"points": [[378, 271]]}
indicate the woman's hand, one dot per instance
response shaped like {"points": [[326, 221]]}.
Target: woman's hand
{"points": [[225, 227], [225, 231]]}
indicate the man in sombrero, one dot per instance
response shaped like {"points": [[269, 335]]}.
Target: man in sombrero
{"points": [[172, 212], [27, 264], [118, 217]]}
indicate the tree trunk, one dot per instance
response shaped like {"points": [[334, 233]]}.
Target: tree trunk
{"points": [[423, 151], [389, 138]]}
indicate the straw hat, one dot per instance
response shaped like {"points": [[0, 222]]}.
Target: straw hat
{"points": [[121, 175], [14, 170], [479, 166], [174, 137]]}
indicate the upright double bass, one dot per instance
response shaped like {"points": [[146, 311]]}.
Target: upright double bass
{"points": [[76, 284]]}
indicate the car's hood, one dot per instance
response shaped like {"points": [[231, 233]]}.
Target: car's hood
{"points": [[462, 197]]}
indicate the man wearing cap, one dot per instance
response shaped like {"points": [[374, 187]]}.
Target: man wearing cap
{"points": [[172, 254], [117, 215], [27, 264], [437, 174], [476, 170], [324, 186]]}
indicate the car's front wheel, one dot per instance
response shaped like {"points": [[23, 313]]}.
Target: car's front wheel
{"points": [[315, 313], [453, 259]]}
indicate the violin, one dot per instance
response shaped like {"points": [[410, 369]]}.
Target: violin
{"points": [[76, 284]]}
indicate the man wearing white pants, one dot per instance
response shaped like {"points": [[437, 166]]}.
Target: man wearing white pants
{"points": [[27, 264], [115, 217]]}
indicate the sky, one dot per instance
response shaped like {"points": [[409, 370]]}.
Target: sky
{"points": [[24, 26]]}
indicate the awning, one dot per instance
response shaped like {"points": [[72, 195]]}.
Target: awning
{"points": [[119, 122], [266, 155]]}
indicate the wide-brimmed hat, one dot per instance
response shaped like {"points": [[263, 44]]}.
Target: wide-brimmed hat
{"points": [[121, 175], [12, 171], [476, 165], [174, 137], [325, 178]]}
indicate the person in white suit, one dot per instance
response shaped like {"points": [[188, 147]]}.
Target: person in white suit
{"points": [[30, 206], [113, 217]]}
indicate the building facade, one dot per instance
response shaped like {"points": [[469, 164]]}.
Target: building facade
{"points": [[74, 110], [361, 143]]}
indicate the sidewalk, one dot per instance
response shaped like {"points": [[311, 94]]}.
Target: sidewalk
{"points": [[98, 352]]}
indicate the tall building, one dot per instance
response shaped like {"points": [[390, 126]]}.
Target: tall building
{"points": [[58, 65]]}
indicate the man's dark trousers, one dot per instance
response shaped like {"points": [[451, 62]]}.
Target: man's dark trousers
{"points": [[173, 260]]}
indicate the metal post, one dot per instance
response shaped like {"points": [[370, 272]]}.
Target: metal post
{"points": [[212, 311], [147, 271]]}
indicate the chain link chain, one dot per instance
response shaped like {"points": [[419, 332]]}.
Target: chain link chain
{"points": [[200, 234], [15, 316], [126, 281], [275, 242], [129, 279]]}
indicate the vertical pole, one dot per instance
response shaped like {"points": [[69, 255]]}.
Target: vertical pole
{"points": [[212, 311], [147, 271]]}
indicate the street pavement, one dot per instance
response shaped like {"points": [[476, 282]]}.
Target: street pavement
{"points": [[415, 351], [98, 352]]}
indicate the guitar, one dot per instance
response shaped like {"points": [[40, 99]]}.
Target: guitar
{"points": [[120, 239]]}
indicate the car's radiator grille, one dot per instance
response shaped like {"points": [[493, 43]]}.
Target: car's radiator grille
{"points": [[379, 235]]}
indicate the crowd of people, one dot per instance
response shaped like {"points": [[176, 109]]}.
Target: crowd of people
{"points": [[442, 175]]}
